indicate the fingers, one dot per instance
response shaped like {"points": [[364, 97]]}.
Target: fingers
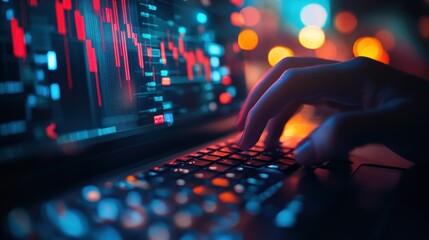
{"points": [[276, 125], [342, 132], [338, 82], [269, 78]]}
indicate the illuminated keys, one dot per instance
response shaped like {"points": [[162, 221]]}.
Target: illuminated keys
{"points": [[220, 182], [202, 190], [199, 163], [210, 158], [218, 168], [219, 154], [183, 219], [91, 193], [131, 179], [204, 175], [229, 197]]}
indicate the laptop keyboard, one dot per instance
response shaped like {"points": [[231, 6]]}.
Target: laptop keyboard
{"points": [[194, 195]]}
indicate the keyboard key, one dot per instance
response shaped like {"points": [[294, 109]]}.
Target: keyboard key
{"points": [[204, 175], [239, 188], [245, 171], [219, 154], [257, 148], [195, 155], [213, 147], [218, 168], [263, 158], [280, 167], [248, 153], [229, 197], [203, 190], [210, 158], [234, 175], [197, 162], [173, 163], [254, 181], [205, 151], [237, 157], [229, 149], [185, 169], [159, 169], [220, 182], [254, 163], [286, 161], [229, 162], [290, 155], [273, 153], [185, 158]]}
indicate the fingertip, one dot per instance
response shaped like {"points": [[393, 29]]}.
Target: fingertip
{"points": [[305, 153], [245, 142], [271, 143]]}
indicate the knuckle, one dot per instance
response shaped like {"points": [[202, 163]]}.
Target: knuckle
{"points": [[338, 127], [290, 73], [363, 61], [287, 62], [252, 112]]}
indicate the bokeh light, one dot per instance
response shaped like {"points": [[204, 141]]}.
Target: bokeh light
{"points": [[314, 15], [384, 58], [386, 38], [201, 18], [368, 47], [251, 16], [237, 19], [225, 98], [345, 22], [248, 39], [238, 3], [311, 37], [277, 53], [327, 51]]}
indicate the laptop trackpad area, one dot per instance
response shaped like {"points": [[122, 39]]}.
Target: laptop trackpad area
{"points": [[376, 179], [374, 183]]}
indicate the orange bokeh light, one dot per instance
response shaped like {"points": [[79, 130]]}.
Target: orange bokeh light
{"points": [[220, 182], [228, 197], [200, 190], [248, 39], [276, 54], [311, 37], [237, 19], [93, 196], [370, 47], [345, 22], [327, 51], [384, 58], [131, 178], [251, 16]]}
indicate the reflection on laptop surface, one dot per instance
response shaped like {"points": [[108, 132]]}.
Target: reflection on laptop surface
{"points": [[118, 125]]}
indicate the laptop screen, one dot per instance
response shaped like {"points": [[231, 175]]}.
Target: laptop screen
{"points": [[78, 71]]}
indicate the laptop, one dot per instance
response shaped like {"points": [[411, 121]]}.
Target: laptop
{"points": [[117, 123]]}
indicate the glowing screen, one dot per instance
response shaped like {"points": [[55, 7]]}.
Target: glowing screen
{"points": [[74, 70]]}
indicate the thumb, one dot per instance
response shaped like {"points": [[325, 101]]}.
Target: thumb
{"points": [[343, 132]]}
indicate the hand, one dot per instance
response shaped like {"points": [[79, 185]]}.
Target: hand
{"points": [[378, 103]]}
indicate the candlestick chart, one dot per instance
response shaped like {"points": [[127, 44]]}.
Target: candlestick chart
{"points": [[74, 70]]}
